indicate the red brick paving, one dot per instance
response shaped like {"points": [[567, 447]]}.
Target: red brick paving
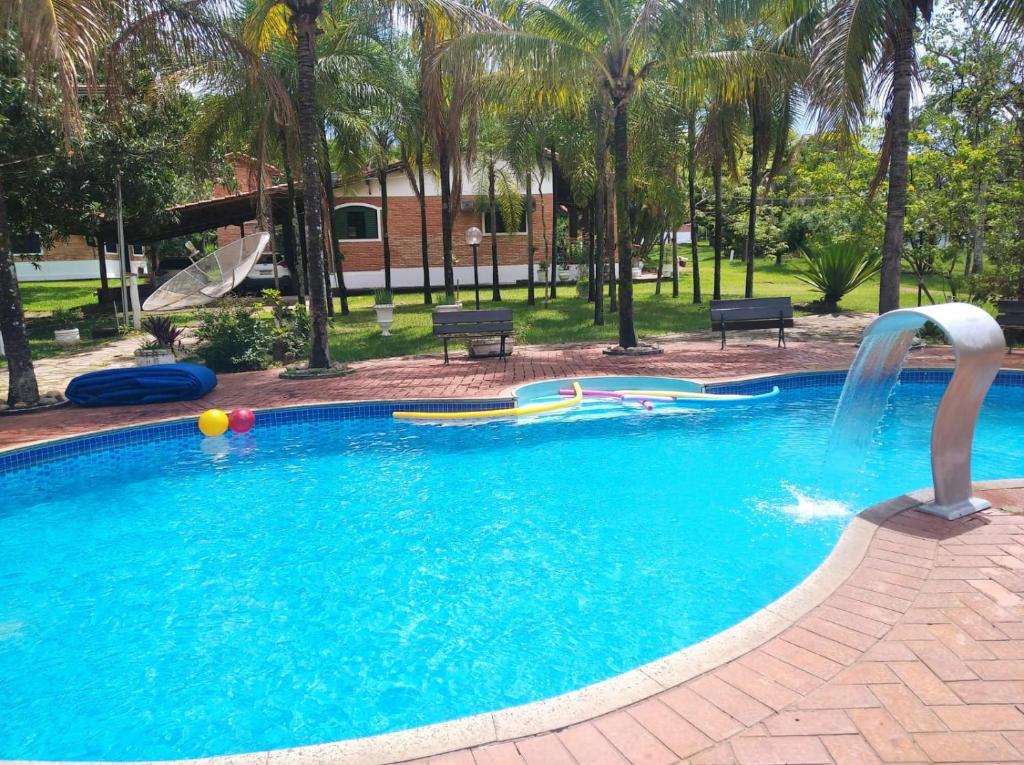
{"points": [[921, 665], [427, 377]]}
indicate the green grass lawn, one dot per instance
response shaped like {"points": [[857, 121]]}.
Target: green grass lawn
{"points": [[49, 296], [41, 298], [565, 319], [570, 319]]}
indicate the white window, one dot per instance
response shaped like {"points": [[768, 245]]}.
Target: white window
{"points": [[134, 250], [357, 223], [500, 220]]}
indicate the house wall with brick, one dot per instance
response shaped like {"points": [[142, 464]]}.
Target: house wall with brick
{"points": [[364, 259], [70, 259], [246, 179]]}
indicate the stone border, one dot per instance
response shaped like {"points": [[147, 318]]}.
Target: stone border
{"points": [[179, 419]]}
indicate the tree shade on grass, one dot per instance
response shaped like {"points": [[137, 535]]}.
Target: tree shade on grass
{"points": [[570, 319]]}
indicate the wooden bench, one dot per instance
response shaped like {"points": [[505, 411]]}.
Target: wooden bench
{"points": [[752, 313], [469, 324], [1011, 317]]}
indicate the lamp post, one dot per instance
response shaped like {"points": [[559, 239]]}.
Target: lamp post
{"points": [[473, 238]]}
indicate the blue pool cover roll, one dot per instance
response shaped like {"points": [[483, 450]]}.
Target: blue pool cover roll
{"points": [[142, 385]]}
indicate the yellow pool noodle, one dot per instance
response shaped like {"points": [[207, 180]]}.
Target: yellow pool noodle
{"points": [[519, 411]]}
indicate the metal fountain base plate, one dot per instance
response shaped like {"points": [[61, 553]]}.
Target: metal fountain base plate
{"points": [[958, 510]]}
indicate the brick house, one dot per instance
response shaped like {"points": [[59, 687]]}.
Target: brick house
{"points": [[357, 225], [359, 230], [71, 259]]}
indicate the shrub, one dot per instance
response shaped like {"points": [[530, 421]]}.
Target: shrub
{"points": [[234, 338], [65, 318], [291, 336], [583, 284], [836, 269]]}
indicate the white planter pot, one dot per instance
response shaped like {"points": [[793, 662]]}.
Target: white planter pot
{"points": [[489, 346], [565, 274], [385, 318], [637, 271], [146, 357], [67, 337], [448, 307]]}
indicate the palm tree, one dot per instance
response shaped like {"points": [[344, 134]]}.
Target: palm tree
{"points": [[862, 50], [783, 29], [410, 131], [604, 47], [719, 144], [58, 40]]}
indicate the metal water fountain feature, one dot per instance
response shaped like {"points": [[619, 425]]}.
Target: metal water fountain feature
{"points": [[978, 348]]}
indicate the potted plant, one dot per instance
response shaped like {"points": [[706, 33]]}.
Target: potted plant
{"points": [[485, 347], [543, 268], [159, 350], [384, 305], [65, 331], [454, 305]]}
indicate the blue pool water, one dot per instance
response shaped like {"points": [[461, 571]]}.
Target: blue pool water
{"points": [[324, 580]]}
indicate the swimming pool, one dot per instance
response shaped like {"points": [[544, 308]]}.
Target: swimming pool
{"points": [[339, 574]]}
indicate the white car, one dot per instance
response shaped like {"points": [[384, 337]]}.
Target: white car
{"points": [[262, 276]]}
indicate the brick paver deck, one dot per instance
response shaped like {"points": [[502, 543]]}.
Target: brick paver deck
{"points": [[917, 658]]}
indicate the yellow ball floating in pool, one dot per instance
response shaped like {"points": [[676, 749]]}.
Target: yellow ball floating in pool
{"points": [[213, 422]]}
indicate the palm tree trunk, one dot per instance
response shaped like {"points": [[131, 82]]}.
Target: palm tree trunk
{"points": [[691, 190], [591, 253], [444, 165], [543, 225], [719, 225], [424, 240], [755, 178], [22, 388], [609, 243], [627, 332], [675, 262], [554, 223], [661, 258], [600, 209], [531, 297], [305, 31], [333, 249], [292, 250], [896, 200], [382, 179], [492, 214]]}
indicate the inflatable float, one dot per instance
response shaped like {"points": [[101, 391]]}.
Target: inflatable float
{"points": [[519, 411], [699, 396]]}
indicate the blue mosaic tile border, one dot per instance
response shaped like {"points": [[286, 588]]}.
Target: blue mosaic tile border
{"points": [[86, 444], [798, 380]]}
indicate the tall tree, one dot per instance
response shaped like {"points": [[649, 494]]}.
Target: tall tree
{"points": [[59, 40], [607, 47], [718, 145], [861, 50]]}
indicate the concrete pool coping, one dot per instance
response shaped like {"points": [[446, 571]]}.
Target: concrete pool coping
{"points": [[606, 696]]}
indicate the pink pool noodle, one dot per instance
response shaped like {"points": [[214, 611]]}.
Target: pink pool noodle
{"points": [[611, 394]]}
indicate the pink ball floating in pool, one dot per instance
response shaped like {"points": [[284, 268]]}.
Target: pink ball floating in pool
{"points": [[241, 420]]}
